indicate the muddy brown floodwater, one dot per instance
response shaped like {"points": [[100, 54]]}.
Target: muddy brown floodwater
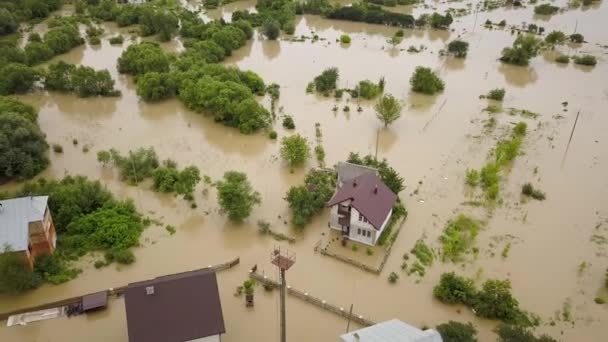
{"points": [[434, 142]]}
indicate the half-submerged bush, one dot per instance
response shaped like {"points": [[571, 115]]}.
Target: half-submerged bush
{"points": [[585, 60], [458, 48], [546, 9], [453, 331], [425, 81], [529, 190], [516, 333], [524, 48], [458, 236], [454, 289], [564, 59], [497, 94], [327, 80]]}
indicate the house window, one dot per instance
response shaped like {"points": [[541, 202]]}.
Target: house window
{"points": [[358, 231]]}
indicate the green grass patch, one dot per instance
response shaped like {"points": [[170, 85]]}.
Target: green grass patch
{"points": [[423, 253], [458, 237], [399, 211]]}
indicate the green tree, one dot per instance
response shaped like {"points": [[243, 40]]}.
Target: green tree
{"points": [[10, 53], [439, 21], [23, 148], [425, 81], [137, 166], [524, 48], [17, 78], [143, 58], [295, 150], [12, 105], [37, 52], [495, 301], [454, 289], [308, 200], [104, 157], [271, 29], [229, 38], [153, 86], [327, 81], [388, 109], [236, 196], [63, 38], [458, 48], [15, 275], [8, 22], [556, 38], [453, 331], [59, 76], [515, 333]]}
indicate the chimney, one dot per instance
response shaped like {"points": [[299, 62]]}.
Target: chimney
{"points": [[376, 189], [149, 290]]}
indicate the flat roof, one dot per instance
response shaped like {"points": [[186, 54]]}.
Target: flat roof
{"points": [[392, 331], [15, 216], [95, 300], [179, 307]]}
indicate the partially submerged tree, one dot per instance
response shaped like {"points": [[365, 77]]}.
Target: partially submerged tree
{"points": [[453, 331], [271, 29], [388, 109], [425, 81], [295, 150], [524, 48], [458, 48], [556, 38], [23, 147], [309, 199], [327, 80], [236, 196]]}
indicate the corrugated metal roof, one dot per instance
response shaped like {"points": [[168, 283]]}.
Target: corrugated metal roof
{"points": [[369, 196], [15, 215], [392, 331], [347, 171]]}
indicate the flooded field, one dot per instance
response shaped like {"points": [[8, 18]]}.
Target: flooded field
{"points": [[436, 139]]}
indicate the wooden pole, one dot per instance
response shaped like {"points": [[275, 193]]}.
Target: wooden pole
{"points": [[571, 135], [350, 314]]}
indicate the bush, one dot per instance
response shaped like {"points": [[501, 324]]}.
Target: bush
{"points": [[393, 277], [12, 105], [309, 199], [439, 21], [564, 59], [545, 9], [425, 81], [137, 165], [327, 81], [497, 94], [457, 332], [82, 80], [116, 40], [472, 177], [345, 39], [577, 38], [520, 129], [453, 289], [288, 122], [368, 89], [272, 135], [168, 178], [585, 60], [529, 190], [515, 333], [8, 22], [320, 154], [295, 150], [121, 256], [458, 48], [37, 52], [423, 253], [23, 152], [143, 58], [236, 196], [458, 236], [524, 48], [57, 148], [495, 301], [556, 38]]}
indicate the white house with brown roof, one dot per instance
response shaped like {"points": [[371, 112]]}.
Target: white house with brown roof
{"points": [[361, 208], [26, 227]]}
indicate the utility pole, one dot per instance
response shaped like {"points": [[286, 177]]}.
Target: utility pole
{"points": [[283, 259]]}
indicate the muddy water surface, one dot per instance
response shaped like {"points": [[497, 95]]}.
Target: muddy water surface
{"points": [[431, 145]]}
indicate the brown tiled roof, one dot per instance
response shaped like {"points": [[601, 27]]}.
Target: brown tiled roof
{"points": [[182, 307], [373, 205]]}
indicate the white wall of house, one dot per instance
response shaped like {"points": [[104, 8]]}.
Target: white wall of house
{"points": [[360, 230], [214, 338]]}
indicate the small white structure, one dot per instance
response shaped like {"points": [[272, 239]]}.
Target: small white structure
{"points": [[361, 208], [392, 331]]}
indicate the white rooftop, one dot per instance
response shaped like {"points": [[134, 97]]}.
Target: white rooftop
{"points": [[15, 216], [392, 331]]}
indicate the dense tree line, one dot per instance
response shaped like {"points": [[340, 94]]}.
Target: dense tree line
{"points": [[84, 81], [12, 12], [23, 147]]}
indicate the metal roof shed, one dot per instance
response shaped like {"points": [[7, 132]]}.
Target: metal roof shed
{"points": [[95, 301], [392, 331]]}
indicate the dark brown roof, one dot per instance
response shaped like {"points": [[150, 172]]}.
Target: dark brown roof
{"points": [[182, 307], [373, 205]]}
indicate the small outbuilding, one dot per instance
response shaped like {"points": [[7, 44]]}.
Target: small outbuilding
{"points": [[175, 308], [392, 331], [26, 227]]}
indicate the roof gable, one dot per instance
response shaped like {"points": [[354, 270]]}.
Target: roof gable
{"points": [[182, 307], [15, 216], [369, 195]]}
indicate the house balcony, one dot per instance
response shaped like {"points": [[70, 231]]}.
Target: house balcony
{"points": [[344, 221], [343, 211]]}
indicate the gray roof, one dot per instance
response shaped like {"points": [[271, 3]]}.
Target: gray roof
{"points": [[15, 215], [392, 331], [347, 171]]}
